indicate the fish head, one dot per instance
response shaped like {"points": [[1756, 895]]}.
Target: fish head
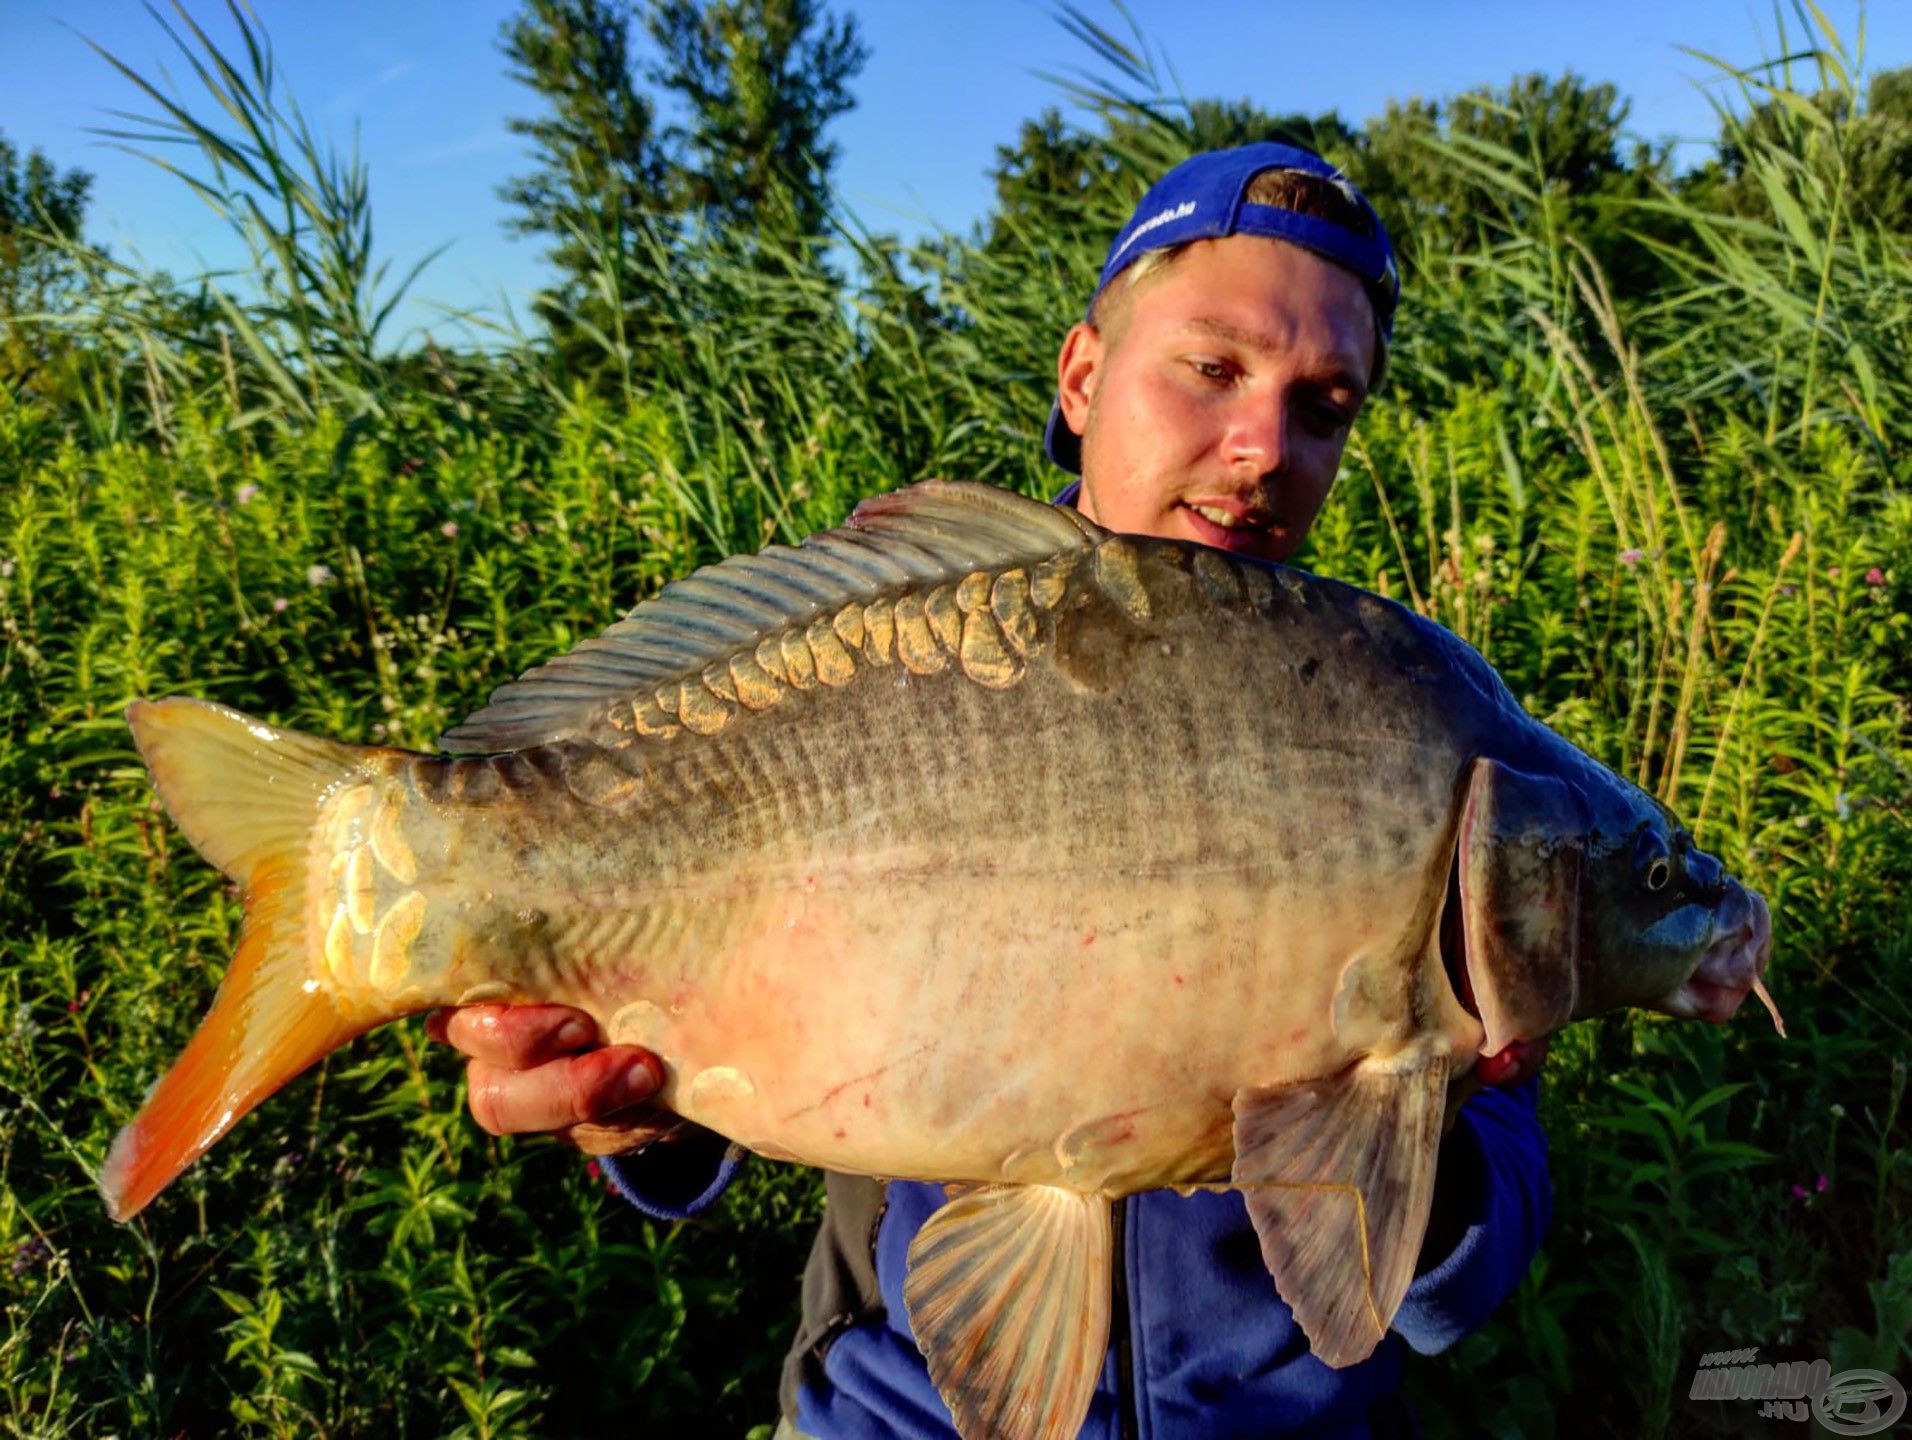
{"points": [[1666, 927], [1576, 894]]}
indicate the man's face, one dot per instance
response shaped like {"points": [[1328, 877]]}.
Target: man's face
{"points": [[1216, 404]]}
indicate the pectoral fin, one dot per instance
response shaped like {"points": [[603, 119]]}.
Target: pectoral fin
{"points": [[1339, 1175], [1008, 1295]]}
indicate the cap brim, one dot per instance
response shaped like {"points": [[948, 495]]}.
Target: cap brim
{"points": [[1063, 445]]}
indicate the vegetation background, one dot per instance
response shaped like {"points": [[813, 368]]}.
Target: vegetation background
{"points": [[1645, 443]]}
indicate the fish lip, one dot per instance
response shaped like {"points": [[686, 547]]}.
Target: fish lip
{"points": [[1731, 965]]}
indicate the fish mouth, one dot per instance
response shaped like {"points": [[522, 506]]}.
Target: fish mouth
{"points": [[1732, 966]]}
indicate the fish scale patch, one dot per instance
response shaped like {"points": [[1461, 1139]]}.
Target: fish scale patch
{"points": [[940, 575], [367, 909], [786, 609]]}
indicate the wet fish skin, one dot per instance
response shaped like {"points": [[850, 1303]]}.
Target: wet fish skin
{"points": [[1159, 841], [546, 907]]}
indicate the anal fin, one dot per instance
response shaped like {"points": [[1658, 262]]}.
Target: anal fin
{"points": [[1008, 1295], [1339, 1177]]}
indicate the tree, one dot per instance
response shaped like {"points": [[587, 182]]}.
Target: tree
{"points": [[1779, 145], [41, 210], [599, 187], [761, 80], [1454, 177], [1055, 172], [1882, 151]]}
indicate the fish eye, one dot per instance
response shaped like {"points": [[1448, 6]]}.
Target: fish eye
{"points": [[1653, 861]]}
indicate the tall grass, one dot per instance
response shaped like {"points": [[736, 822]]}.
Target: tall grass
{"points": [[1678, 529]]}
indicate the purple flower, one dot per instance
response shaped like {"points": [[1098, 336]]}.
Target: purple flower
{"points": [[245, 494], [1630, 558], [1803, 1192], [1875, 576]]}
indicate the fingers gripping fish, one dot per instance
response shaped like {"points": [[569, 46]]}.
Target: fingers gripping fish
{"points": [[1163, 840]]}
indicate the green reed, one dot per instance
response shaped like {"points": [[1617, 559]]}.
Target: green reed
{"points": [[1677, 527]]}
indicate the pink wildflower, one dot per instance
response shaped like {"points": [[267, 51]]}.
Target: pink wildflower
{"points": [[245, 494], [1832, 572], [1875, 576], [279, 603], [449, 529], [317, 575], [1630, 558]]}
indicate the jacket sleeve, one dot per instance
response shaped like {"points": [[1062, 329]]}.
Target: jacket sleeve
{"points": [[679, 1178], [1504, 1196]]}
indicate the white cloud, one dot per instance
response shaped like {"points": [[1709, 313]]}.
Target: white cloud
{"points": [[484, 141], [353, 96]]}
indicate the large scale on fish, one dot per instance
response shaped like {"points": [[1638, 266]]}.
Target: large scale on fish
{"points": [[970, 842]]}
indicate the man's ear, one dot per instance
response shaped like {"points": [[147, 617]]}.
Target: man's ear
{"points": [[1078, 369]]}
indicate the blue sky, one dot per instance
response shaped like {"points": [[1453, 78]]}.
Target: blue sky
{"points": [[423, 82]]}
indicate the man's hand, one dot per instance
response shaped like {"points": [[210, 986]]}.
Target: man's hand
{"points": [[541, 1069], [1457, 1173], [1518, 1062]]}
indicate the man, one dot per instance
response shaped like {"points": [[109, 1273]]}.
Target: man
{"points": [[1241, 319]]}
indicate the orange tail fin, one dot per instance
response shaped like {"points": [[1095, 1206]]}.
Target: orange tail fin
{"points": [[247, 795]]}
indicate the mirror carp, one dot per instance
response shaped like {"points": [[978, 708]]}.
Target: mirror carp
{"points": [[970, 842]]}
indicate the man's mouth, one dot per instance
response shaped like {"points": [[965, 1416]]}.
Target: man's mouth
{"points": [[1231, 524], [1227, 519]]}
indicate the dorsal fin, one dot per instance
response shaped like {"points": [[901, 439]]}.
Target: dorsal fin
{"points": [[931, 532]]}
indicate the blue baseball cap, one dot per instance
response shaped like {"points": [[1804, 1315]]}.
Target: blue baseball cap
{"points": [[1205, 198]]}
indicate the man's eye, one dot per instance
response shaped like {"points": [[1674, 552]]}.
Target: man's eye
{"points": [[1210, 369], [1325, 420]]}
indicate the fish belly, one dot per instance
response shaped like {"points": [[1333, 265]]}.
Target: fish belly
{"points": [[1089, 1035]]}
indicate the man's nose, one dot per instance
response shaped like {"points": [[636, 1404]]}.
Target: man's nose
{"points": [[1257, 436]]}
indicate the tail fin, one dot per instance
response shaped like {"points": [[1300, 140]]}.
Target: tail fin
{"points": [[247, 795]]}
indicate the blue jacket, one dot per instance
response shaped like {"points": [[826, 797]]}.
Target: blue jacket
{"points": [[1205, 1347]]}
